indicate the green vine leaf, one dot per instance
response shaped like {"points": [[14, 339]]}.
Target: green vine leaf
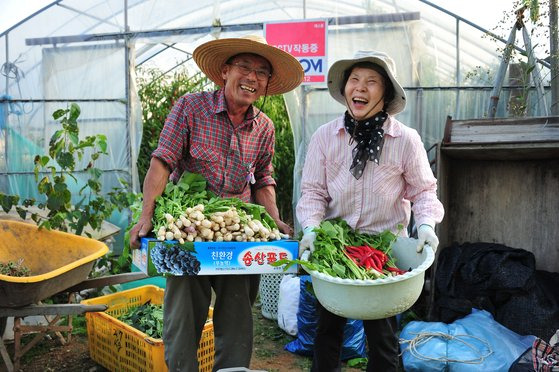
{"points": [[65, 159], [22, 212], [74, 138], [54, 202], [102, 143], [8, 201], [44, 185], [28, 202], [58, 114], [74, 112], [44, 160]]}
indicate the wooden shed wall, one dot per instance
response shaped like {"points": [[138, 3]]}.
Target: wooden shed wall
{"points": [[515, 203], [499, 182]]}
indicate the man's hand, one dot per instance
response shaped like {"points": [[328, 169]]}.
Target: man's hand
{"points": [[141, 229], [284, 228], [154, 184], [426, 235], [307, 242]]}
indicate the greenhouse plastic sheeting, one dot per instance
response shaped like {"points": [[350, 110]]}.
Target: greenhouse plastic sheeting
{"points": [[88, 51]]}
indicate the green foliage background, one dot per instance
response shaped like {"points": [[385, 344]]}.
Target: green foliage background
{"points": [[284, 156], [158, 96]]}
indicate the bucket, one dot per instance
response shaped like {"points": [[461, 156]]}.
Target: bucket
{"points": [[379, 298]]}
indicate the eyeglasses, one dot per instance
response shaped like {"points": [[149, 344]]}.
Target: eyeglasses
{"points": [[261, 74]]}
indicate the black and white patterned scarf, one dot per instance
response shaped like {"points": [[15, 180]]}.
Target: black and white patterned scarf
{"points": [[369, 138]]}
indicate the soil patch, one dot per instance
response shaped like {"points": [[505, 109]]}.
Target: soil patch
{"points": [[268, 355]]}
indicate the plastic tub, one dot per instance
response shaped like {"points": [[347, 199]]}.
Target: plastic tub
{"points": [[380, 298], [57, 261]]}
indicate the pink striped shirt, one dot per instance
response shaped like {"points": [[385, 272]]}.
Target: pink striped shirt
{"points": [[380, 199]]}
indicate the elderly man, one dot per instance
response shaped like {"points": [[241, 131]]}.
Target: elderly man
{"points": [[223, 137]]}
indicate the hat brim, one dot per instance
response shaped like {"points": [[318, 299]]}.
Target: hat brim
{"points": [[287, 71], [336, 77]]}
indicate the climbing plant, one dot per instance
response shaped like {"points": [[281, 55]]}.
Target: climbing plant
{"points": [[56, 174]]}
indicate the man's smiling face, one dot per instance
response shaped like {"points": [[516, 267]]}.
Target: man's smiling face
{"points": [[246, 77]]}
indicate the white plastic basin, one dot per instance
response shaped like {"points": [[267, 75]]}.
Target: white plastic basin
{"points": [[380, 298]]}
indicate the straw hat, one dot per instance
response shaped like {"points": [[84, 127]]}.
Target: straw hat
{"points": [[336, 77], [287, 71]]}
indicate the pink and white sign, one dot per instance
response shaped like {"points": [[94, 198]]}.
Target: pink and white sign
{"points": [[305, 40]]}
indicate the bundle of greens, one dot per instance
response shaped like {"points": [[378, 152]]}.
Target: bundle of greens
{"points": [[187, 212], [147, 318], [342, 252]]}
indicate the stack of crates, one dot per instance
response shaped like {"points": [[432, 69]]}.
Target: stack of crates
{"points": [[120, 347]]}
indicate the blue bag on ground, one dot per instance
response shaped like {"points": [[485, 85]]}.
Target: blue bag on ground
{"points": [[307, 318], [474, 343]]}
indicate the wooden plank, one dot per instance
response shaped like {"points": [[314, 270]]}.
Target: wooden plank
{"points": [[537, 120], [504, 151], [447, 129], [501, 130], [471, 133], [6, 356], [59, 309], [45, 328]]}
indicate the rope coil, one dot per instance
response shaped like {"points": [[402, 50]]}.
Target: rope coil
{"points": [[425, 337]]}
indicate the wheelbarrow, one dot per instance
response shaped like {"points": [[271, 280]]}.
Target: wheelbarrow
{"points": [[58, 262]]}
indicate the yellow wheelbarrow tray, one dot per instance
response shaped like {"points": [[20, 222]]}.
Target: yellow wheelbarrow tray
{"points": [[57, 261]]}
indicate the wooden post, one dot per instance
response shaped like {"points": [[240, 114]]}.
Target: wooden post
{"points": [[554, 55]]}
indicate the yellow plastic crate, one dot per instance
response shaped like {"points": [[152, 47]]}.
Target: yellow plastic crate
{"points": [[120, 347]]}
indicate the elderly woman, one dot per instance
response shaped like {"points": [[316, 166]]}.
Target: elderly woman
{"points": [[371, 170]]}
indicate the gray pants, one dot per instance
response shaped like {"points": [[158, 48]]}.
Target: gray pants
{"points": [[186, 304]]}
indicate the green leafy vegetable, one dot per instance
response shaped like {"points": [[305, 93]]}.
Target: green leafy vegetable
{"points": [[146, 318], [330, 257]]}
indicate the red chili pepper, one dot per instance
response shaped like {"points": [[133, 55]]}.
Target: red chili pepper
{"points": [[351, 258], [368, 257], [378, 267], [382, 256], [378, 262], [359, 253]]}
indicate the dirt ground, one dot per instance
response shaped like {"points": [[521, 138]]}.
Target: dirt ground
{"points": [[268, 355]]}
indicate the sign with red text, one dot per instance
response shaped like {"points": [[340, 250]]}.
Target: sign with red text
{"points": [[305, 40], [168, 257]]}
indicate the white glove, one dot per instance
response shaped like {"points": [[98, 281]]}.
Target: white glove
{"points": [[307, 242], [426, 235]]}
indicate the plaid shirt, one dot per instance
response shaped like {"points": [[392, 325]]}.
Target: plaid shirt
{"points": [[545, 357], [199, 137]]}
